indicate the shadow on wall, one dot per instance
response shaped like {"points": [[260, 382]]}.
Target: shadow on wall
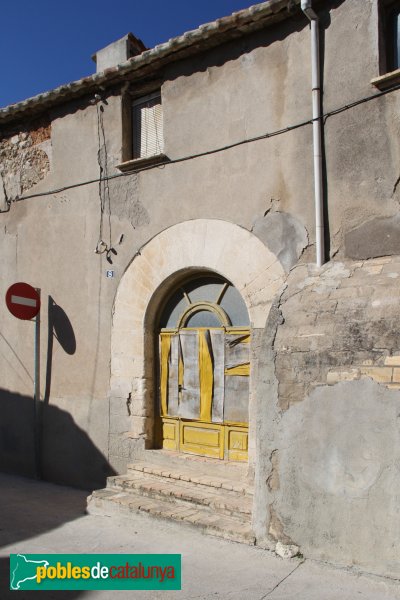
{"points": [[59, 451], [27, 510], [58, 326], [66, 455], [232, 50]]}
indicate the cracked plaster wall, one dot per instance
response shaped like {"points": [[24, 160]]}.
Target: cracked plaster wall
{"points": [[328, 475], [339, 491], [337, 324], [283, 234]]}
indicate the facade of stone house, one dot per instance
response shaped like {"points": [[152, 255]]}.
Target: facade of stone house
{"points": [[165, 207]]}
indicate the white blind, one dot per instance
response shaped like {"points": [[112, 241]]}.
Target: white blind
{"points": [[147, 127]]}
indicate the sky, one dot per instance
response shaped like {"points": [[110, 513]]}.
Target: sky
{"points": [[45, 43]]}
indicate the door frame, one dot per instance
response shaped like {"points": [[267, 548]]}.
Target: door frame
{"points": [[191, 246]]}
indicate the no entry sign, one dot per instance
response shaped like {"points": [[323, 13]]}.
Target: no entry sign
{"points": [[23, 301]]}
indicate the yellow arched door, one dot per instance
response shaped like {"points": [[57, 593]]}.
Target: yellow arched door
{"points": [[204, 371]]}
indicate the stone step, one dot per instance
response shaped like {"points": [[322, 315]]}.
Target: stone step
{"points": [[217, 499], [110, 501], [236, 471], [190, 473]]}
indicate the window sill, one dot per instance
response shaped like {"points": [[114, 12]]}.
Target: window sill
{"points": [[386, 81], [136, 163]]}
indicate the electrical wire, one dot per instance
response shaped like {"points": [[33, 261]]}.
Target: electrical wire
{"points": [[173, 161], [104, 189]]}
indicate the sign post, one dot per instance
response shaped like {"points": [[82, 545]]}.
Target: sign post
{"points": [[23, 301], [37, 403]]}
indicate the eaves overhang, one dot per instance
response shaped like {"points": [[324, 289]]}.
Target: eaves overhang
{"points": [[190, 43]]}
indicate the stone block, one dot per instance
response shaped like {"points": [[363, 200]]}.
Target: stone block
{"points": [[396, 374], [379, 374], [309, 343], [120, 387], [316, 331], [140, 426], [345, 375], [122, 446], [118, 405], [127, 342], [300, 318], [392, 361], [373, 269], [139, 408], [347, 292], [258, 314], [120, 423], [121, 366], [344, 304]]}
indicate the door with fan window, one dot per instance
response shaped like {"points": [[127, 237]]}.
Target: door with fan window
{"points": [[204, 351]]}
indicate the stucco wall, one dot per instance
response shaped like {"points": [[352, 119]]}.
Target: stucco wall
{"points": [[326, 326], [329, 380]]}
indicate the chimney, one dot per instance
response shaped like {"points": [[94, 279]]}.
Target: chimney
{"points": [[118, 52]]}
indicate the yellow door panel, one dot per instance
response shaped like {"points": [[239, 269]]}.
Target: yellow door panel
{"points": [[236, 443], [200, 436], [204, 439], [170, 430]]}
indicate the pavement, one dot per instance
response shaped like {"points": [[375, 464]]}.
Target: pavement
{"points": [[39, 517]]}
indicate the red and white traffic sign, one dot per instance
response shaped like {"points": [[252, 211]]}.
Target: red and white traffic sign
{"points": [[23, 301]]}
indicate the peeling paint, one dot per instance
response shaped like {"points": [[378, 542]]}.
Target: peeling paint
{"points": [[275, 529]]}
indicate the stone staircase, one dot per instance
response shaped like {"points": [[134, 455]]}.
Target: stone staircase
{"points": [[205, 493]]}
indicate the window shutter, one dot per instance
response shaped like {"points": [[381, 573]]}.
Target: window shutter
{"points": [[396, 39], [147, 127]]}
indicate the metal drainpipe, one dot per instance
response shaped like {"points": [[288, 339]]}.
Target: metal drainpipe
{"points": [[306, 7]]}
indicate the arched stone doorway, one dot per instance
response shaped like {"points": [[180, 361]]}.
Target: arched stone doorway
{"points": [[187, 248], [204, 368]]}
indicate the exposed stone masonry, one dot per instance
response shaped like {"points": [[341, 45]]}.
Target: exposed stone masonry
{"points": [[340, 323], [24, 160]]}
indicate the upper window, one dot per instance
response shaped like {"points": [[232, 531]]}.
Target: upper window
{"points": [[389, 45], [147, 122], [390, 23]]}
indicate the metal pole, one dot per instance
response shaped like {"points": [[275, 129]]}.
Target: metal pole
{"points": [[317, 139], [36, 398], [306, 6]]}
